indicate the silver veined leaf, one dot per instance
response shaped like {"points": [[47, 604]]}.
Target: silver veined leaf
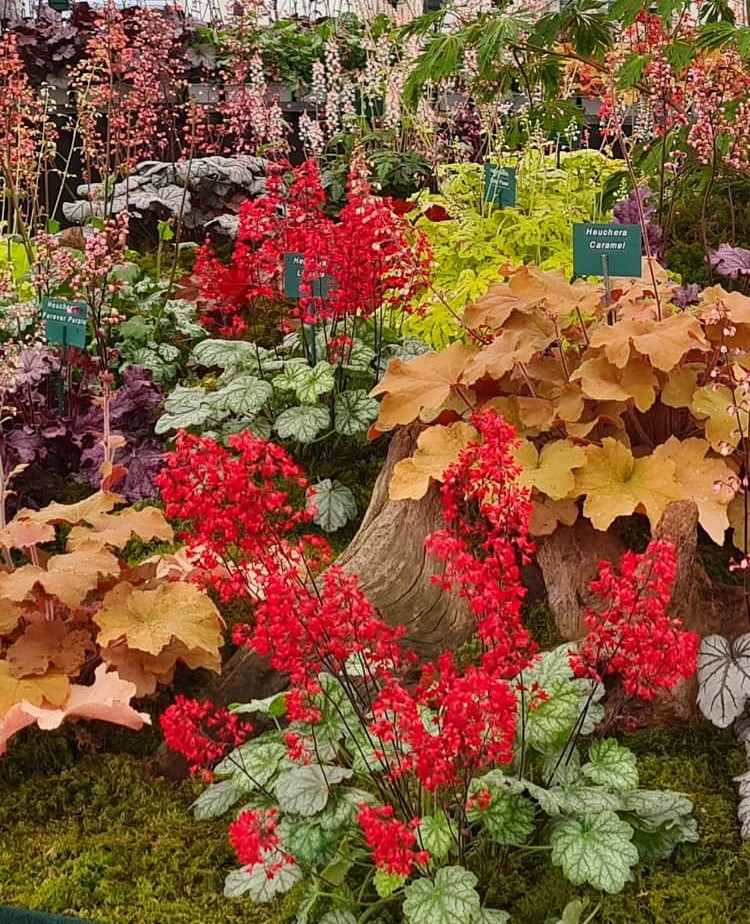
{"points": [[723, 678], [224, 353], [612, 766], [217, 799], [597, 850], [333, 503], [302, 423], [451, 899], [305, 790], [354, 411]]}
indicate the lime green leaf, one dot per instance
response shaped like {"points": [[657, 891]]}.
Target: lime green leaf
{"points": [[451, 899], [436, 835], [305, 790], [217, 799], [387, 883], [353, 412], [302, 423], [612, 766], [597, 850], [333, 503]]}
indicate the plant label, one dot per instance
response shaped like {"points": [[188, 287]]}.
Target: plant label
{"points": [[607, 250], [64, 321], [500, 185], [294, 267]]}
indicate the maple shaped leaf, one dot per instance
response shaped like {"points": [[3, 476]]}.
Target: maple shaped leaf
{"points": [[726, 316], [107, 699], [51, 687], [494, 308], [423, 383], [707, 481], [101, 502], [118, 529], [49, 645], [547, 515], [22, 532], [10, 616], [17, 586], [616, 484], [679, 388], [551, 470], [603, 381], [438, 448], [73, 575], [527, 416], [663, 342], [146, 670], [551, 289], [507, 349], [149, 619], [724, 422]]}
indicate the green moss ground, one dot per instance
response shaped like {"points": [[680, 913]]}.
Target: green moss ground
{"points": [[105, 836]]}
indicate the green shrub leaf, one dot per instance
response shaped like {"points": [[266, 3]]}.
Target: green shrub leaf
{"points": [[302, 423], [597, 850], [217, 799], [612, 766], [305, 790], [334, 504], [353, 412], [451, 899]]}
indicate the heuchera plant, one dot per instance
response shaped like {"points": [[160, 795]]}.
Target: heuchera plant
{"points": [[384, 784], [373, 259], [82, 631]]}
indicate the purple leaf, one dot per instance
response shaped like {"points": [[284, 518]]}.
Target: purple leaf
{"points": [[685, 296], [731, 261]]}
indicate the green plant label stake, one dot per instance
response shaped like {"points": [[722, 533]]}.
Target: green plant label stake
{"points": [[65, 322], [607, 250], [294, 265], [294, 268], [499, 185]]}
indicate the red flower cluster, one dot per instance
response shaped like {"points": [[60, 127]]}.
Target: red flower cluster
{"points": [[371, 255], [452, 726], [305, 629], [235, 503], [487, 540], [393, 843], [630, 631], [253, 835], [202, 734]]}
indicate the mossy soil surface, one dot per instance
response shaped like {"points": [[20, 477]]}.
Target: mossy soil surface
{"points": [[105, 836]]}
